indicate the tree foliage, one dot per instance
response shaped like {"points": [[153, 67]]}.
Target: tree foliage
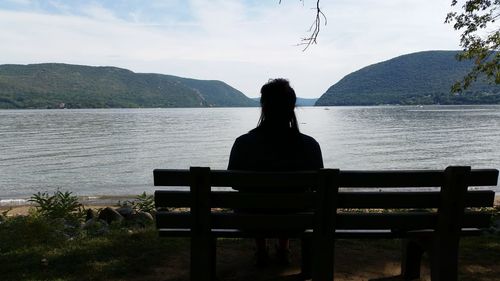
{"points": [[480, 39], [77, 86], [412, 79]]}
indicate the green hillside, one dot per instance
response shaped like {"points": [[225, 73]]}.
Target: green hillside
{"points": [[75, 86], [219, 93], [299, 102], [417, 78]]}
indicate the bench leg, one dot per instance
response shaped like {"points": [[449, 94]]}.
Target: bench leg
{"points": [[203, 259], [317, 265], [306, 261], [411, 259], [443, 254], [444, 260], [213, 252], [323, 258]]}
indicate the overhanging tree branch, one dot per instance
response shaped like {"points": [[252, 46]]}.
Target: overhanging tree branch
{"points": [[315, 27], [479, 39]]}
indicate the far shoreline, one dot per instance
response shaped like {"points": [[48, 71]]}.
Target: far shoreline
{"points": [[257, 106]]}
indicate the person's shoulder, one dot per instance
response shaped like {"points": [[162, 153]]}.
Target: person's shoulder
{"points": [[308, 140], [248, 137]]}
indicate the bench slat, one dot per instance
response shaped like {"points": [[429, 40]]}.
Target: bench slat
{"points": [[483, 177], [244, 221], [354, 178], [238, 200], [172, 198], [365, 200], [395, 200], [224, 178], [297, 179], [339, 234], [234, 200], [417, 220], [171, 177], [417, 178]]}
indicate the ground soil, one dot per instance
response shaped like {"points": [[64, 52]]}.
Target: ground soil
{"points": [[354, 261], [236, 262]]}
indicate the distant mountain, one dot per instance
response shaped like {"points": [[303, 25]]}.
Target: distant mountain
{"points": [[300, 101], [305, 102], [54, 85], [417, 78]]}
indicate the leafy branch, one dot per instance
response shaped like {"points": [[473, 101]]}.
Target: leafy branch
{"points": [[479, 40]]}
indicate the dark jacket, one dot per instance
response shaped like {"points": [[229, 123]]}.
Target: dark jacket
{"points": [[266, 149]]}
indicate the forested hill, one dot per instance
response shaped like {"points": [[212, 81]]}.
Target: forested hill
{"points": [[417, 78], [54, 85], [299, 102]]}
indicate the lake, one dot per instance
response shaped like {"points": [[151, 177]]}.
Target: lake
{"points": [[114, 151]]}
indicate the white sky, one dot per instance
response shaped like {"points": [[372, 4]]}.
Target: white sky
{"points": [[241, 42]]}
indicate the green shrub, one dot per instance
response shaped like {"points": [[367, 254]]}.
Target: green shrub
{"points": [[142, 203], [3, 215], [30, 231], [60, 205]]}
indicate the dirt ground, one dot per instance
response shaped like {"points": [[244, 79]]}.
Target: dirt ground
{"points": [[236, 262], [354, 261]]}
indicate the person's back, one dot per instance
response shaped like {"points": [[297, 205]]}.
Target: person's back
{"points": [[275, 145], [275, 150]]}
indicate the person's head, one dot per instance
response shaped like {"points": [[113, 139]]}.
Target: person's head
{"points": [[278, 103]]}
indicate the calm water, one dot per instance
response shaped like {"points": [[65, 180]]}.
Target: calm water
{"points": [[113, 151]]}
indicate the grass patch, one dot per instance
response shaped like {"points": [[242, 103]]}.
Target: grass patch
{"points": [[36, 248], [32, 249]]}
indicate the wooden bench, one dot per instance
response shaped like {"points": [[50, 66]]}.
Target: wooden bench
{"points": [[444, 214]]}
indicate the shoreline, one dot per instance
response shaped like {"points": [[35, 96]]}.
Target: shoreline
{"points": [[85, 200], [21, 207], [96, 202]]}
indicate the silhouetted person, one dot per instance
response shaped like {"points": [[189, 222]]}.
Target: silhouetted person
{"points": [[275, 145]]}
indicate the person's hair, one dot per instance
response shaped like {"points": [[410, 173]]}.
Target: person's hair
{"points": [[278, 103]]}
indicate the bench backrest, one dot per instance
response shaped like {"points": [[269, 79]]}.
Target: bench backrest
{"points": [[267, 208], [445, 208]]}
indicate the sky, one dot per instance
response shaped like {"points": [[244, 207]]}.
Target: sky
{"points": [[241, 42]]}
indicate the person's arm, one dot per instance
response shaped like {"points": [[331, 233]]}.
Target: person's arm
{"points": [[316, 160], [318, 157], [236, 158]]}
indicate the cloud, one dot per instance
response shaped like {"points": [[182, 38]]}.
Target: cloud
{"points": [[233, 41], [98, 12], [20, 2]]}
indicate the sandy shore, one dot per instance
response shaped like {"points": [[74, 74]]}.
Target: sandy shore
{"points": [[101, 203], [92, 202]]}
